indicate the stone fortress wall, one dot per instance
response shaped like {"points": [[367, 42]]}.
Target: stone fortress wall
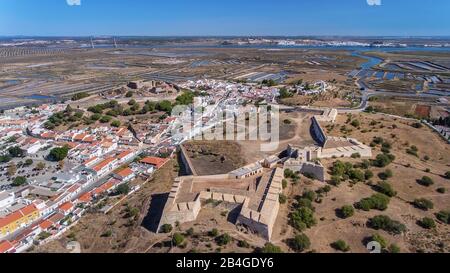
{"points": [[260, 202]]}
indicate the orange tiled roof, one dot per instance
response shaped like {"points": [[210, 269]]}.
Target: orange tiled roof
{"points": [[124, 154], [29, 209], [106, 186], [103, 164], [5, 246], [45, 224], [125, 172], [85, 198], [12, 217], [66, 206], [155, 161]]}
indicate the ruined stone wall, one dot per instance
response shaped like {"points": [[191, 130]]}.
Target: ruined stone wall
{"points": [[318, 132], [188, 166]]}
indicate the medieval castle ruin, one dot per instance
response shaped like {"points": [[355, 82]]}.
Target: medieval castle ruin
{"points": [[257, 187]]}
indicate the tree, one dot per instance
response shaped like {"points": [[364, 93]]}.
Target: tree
{"points": [[132, 102], [284, 93], [443, 216], [19, 181], [423, 204], [28, 162], [385, 188], [59, 154], [115, 123], [79, 96], [284, 183], [377, 201], [223, 239], [368, 174], [426, 181], [303, 218], [387, 224], [386, 174], [16, 152], [282, 199], [383, 160], [347, 211], [300, 243], [123, 188], [427, 223], [96, 117], [177, 239], [5, 158], [340, 245], [379, 239], [164, 106], [105, 119], [270, 248], [129, 94], [166, 228], [356, 123], [213, 232]]}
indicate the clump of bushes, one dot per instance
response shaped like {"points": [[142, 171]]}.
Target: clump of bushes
{"points": [[425, 181], [427, 223], [385, 188], [423, 204], [300, 243], [385, 223], [340, 245], [377, 201], [443, 216], [302, 218], [270, 248], [346, 211]]}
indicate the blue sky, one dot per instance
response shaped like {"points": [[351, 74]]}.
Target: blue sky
{"points": [[225, 17]]}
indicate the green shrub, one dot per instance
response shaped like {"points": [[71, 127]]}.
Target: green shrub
{"points": [[243, 244], [383, 160], [302, 218], [443, 216], [368, 174], [19, 181], [166, 228], [423, 204], [270, 248], [379, 239], [441, 190], [282, 198], [340, 245], [425, 181], [385, 188], [223, 239], [213, 232], [386, 174], [347, 211], [427, 223], [377, 201], [387, 224], [284, 183], [300, 243], [177, 239]]}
